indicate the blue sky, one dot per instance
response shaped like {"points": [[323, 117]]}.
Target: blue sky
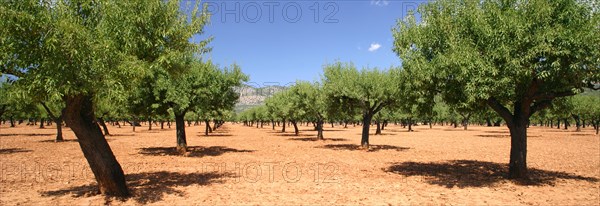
{"points": [[278, 42]]}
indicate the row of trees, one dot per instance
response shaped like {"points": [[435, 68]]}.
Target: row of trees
{"points": [[514, 57], [85, 61]]}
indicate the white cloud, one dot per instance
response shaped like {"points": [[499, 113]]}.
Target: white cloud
{"points": [[380, 2], [374, 47]]}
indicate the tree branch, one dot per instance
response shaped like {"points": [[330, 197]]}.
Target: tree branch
{"points": [[500, 109], [48, 110], [552, 95], [538, 106]]}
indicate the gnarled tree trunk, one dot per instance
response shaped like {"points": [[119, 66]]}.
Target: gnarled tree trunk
{"points": [[79, 115], [518, 148], [296, 132], [366, 123], [104, 127], [320, 129], [180, 130]]}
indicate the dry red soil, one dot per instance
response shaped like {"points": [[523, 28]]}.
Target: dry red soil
{"points": [[243, 165]]}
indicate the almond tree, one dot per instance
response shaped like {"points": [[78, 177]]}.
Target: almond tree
{"points": [[371, 90], [515, 56], [77, 48]]}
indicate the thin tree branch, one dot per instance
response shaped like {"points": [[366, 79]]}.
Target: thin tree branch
{"points": [[538, 106], [500, 109]]}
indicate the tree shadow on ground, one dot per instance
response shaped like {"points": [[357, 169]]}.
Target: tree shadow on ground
{"points": [[314, 139], [54, 141], [472, 173], [28, 135], [214, 135], [121, 135], [13, 150], [498, 132], [193, 151], [583, 134], [353, 147], [149, 187], [294, 135], [502, 135], [402, 130]]}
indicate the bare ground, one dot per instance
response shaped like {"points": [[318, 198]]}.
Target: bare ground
{"points": [[243, 165]]}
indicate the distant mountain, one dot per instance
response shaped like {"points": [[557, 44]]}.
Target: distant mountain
{"points": [[251, 96]]}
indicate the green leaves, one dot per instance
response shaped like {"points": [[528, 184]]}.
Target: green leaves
{"points": [[511, 51], [371, 88]]}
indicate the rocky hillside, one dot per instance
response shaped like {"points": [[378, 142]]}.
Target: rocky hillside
{"points": [[251, 95]]}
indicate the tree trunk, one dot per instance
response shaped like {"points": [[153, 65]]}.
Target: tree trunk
{"points": [[283, 126], [296, 131], [12, 121], [488, 122], [364, 141], [58, 122], [79, 115], [577, 122], [206, 128], [566, 124], [378, 131], [410, 124], [319, 126], [104, 127], [41, 123], [149, 124], [162, 124], [180, 128], [518, 149], [273, 124]]}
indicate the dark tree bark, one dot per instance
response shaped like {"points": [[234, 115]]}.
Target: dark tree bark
{"points": [[410, 124], [517, 124], [149, 124], [577, 122], [320, 129], [296, 131], [104, 127], [207, 128], [180, 130], [378, 131], [283, 126], [59, 135], [79, 115], [273, 124], [57, 119], [364, 141], [42, 123]]}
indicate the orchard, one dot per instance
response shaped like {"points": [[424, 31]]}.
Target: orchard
{"points": [[131, 89]]}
